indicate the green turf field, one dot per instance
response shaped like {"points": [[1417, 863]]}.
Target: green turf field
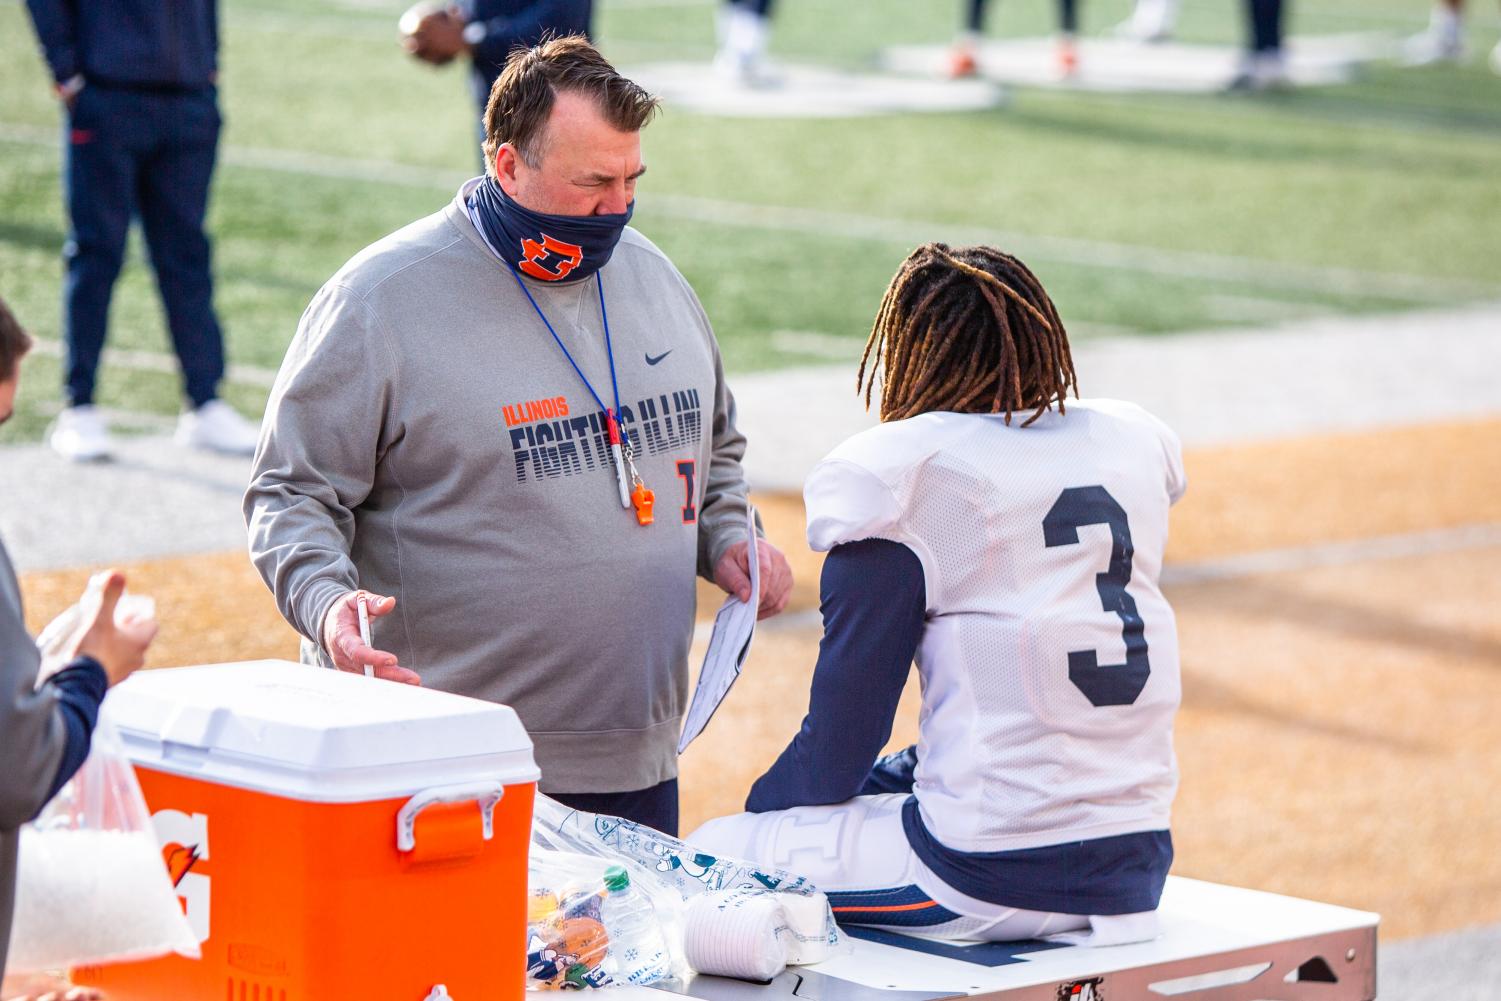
{"points": [[1141, 214]]}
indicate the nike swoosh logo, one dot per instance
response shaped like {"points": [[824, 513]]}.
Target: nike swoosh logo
{"points": [[652, 361]]}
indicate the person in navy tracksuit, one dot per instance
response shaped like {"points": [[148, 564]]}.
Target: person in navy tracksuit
{"points": [[138, 78], [487, 31]]}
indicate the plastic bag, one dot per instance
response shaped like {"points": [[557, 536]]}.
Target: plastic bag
{"points": [[92, 886], [589, 924], [676, 876], [55, 640]]}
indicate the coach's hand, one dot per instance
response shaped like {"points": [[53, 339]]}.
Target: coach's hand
{"points": [[733, 574], [341, 638]]}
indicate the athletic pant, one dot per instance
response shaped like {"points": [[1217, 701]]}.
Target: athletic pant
{"points": [[147, 154], [656, 806], [1266, 24], [1068, 16], [857, 853], [761, 8]]}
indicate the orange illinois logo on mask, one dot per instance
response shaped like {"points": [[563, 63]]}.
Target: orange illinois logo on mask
{"points": [[550, 260]]}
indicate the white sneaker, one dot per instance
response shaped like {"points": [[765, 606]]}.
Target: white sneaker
{"points": [[80, 434], [741, 60], [1150, 21], [1261, 71], [217, 427], [1441, 43]]}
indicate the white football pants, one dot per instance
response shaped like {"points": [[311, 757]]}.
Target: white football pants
{"points": [[858, 854]]}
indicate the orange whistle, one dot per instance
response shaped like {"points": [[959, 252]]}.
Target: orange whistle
{"points": [[643, 499]]}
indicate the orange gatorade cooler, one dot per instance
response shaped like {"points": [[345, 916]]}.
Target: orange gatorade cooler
{"points": [[331, 836]]}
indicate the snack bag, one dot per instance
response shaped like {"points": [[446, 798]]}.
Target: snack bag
{"points": [[569, 944], [810, 935]]}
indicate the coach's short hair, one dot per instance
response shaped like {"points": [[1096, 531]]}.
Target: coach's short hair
{"points": [[522, 98], [14, 343]]}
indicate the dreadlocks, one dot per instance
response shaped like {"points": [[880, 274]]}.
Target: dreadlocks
{"points": [[968, 330]]}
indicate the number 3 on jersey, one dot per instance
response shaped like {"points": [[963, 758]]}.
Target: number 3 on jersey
{"points": [[1103, 684]]}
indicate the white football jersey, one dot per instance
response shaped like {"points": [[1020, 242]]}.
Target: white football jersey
{"points": [[1049, 661]]}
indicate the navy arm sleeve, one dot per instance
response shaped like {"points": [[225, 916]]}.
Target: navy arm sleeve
{"points": [[54, 21], [80, 688], [874, 603]]}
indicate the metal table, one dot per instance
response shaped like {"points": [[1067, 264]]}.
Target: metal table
{"points": [[1219, 943]]}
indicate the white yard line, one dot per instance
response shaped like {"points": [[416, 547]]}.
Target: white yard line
{"points": [[857, 226], [1069, 250], [149, 361]]}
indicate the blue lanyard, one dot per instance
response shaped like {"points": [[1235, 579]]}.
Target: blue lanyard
{"points": [[613, 415], [609, 347]]}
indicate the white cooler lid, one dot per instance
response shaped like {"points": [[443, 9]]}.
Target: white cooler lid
{"points": [[315, 734]]}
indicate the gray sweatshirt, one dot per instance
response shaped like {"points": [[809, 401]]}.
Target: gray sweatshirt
{"points": [[426, 438], [32, 735]]}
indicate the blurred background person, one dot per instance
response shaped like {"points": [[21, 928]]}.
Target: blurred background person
{"points": [[138, 82], [1443, 41], [1151, 21], [744, 26], [487, 30], [45, 729], [1264, 66], [963, 55]]}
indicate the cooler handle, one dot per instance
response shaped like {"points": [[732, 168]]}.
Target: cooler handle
{"points": [[489, 795]]}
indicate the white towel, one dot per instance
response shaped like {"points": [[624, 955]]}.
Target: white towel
{"points": [[808, 932], [736, 935]]}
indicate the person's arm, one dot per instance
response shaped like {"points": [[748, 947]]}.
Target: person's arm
{"points": [[32, 734], [55, 22], [45, 730], [874, 609], [324, 427], [721, 513], [80, 688], [491, 39]]}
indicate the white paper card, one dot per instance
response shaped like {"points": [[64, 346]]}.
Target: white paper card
{"points": [[729, 645]]}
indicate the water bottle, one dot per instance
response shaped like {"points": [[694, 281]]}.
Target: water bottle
{"points": [[637, 949]]}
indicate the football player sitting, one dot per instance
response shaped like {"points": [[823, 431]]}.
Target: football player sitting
{"points": [[1011, 543]]}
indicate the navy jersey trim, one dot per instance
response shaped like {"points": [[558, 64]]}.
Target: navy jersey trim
{"points": [[894, 907], [1123, 874], [873, 618]]}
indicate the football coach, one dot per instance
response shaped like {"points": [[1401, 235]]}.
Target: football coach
{"points": [[506, 427]]}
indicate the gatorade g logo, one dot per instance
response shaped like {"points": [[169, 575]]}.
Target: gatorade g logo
{"points": [[563, 257], [180, 860], [184, 841]]}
